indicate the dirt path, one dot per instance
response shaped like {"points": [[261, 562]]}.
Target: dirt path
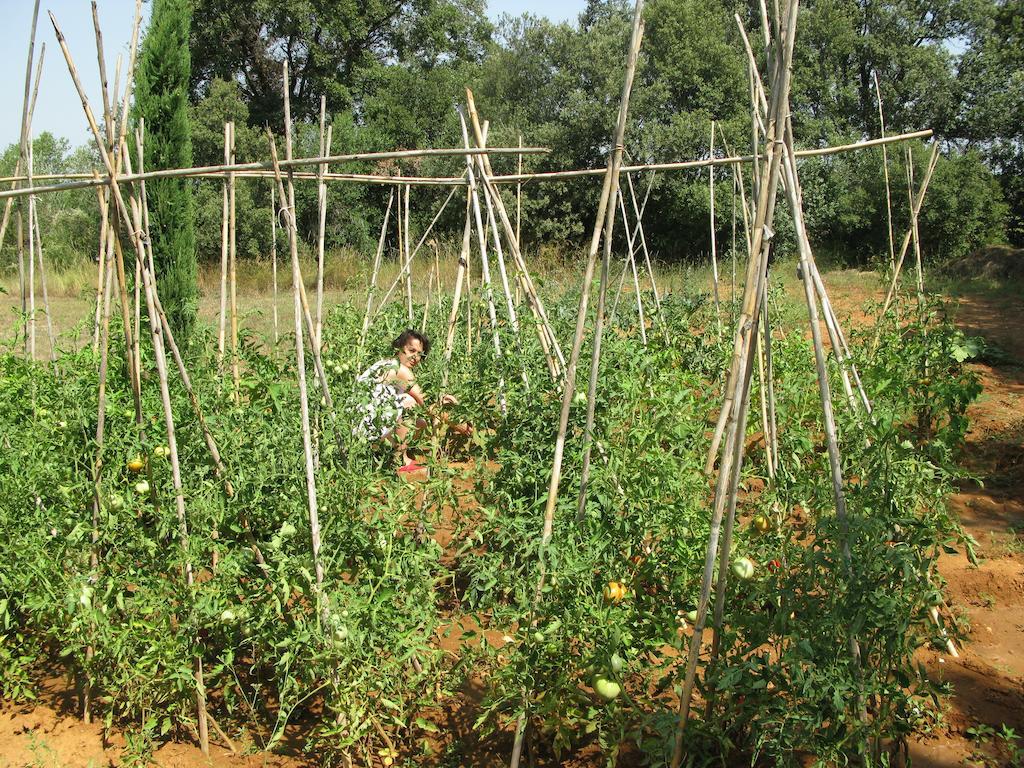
{"points": [[987, 680]]}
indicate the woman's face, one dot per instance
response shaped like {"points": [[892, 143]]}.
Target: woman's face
{"points": [[411, 354]]}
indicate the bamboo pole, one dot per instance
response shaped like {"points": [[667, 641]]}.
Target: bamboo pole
{"points": [[915, 210], [26, 161], [738, 387], [493, 225], [639, 231], [248, 169], [160, 360], [273, 258], [545, 333], [104, 297], [223, 317], [519, 190], [101, 265], [376, 269], [915, 237], [405, 264], [714, 245], [485, 269], [236, 376], [460, 279], [321, 200], [300, 360], [606, 210], [408, 258], [885, 169], [631, 264], [835, 463]]}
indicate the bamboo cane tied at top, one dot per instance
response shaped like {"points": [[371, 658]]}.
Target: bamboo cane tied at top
{"points": [[631, 264], [741, 368], [223, 316], [915, 210], [300, 361], [885, 171], [536, 305], [136, 230], [321, 201], [111, 180], [378, 254], [604, 222], [485, 270]]}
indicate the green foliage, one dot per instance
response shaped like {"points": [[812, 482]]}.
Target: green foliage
{"points": [[161, 100], [364, 652], [68, 221]]}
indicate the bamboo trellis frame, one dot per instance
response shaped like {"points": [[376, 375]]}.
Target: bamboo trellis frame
{"points": [[782, 168]]}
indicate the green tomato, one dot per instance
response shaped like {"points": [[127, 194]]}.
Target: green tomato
{"points": [[116, 501], [692, 616], [743, 567], [538, 637], [607, 689], [580, 398], [618, 663], [228, 616], [341, 634], [142, 487]]}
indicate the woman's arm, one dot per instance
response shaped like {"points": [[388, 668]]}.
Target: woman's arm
{"points": [[405, 375]]}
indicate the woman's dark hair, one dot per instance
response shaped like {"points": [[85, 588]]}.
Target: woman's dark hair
{"points": [[408, 335]]}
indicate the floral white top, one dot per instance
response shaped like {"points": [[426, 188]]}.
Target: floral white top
{"points": [[379, 400]]}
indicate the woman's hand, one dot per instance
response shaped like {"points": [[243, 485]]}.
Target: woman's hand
{"points": [[447, 400]]}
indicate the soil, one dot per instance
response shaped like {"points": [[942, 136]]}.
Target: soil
{"points": [[987, 678]]}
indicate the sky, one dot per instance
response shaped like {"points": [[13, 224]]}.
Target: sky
{"points": [[58, 109]]}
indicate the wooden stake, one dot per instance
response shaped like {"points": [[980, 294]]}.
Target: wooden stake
{"points": [[714, 247], [325, 149], [738, 386], [915, 210], [224, 250], [885, 170], [300, 359], [273, 256], [605, 212], [373, 276], [485, 269], [233, 270], [460, 278]]}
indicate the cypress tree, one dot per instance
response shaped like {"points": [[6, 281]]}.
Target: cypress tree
{"points": [[161, 98]]}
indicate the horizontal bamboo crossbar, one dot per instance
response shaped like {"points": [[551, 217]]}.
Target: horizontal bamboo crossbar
{"points": [[260, 170], [220, 170]]}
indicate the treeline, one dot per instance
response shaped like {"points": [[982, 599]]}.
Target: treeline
{"points": [[394, 73]]}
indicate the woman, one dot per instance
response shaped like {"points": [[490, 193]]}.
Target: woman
{"points": [[390, 391]]}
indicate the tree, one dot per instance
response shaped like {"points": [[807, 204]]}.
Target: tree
{"points": [[332, 48], [991, 82], [161, 97]]}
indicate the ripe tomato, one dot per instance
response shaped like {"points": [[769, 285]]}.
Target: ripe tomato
{"points": [[615, 592], [135, 464]]}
